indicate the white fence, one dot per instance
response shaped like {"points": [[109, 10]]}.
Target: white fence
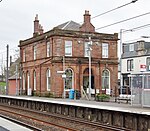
{"points": [[140, 88]]}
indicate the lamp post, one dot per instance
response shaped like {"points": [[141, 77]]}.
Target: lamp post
{"points": [[121, 79], [121, 82], [16, 80], [89, 53], [7, 71]]}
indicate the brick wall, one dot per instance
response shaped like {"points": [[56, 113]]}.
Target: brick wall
{"points": [[77, 62]]}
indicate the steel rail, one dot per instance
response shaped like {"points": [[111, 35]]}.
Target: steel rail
{"points": [[72, 119], [21, 123]]}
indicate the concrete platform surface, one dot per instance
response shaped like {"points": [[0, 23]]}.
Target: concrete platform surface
{"points": [[111, 105], [6, 125]]}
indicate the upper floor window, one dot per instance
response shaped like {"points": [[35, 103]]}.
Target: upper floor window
{"points": [[104, 50], [24, 55], [68, 48], [131, 47], [130, 65], [48, 76], [86, 54], [34, 52], [48, 49], [148, 63]]}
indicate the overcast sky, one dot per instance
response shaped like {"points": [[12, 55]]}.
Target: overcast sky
{"points": [[17, 16]]}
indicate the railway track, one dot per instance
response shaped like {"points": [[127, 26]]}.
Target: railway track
{"points": [[47, 121], [21, 123]]}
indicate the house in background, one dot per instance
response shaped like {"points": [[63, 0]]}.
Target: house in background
{"points": [[14, 77], [13, 84], [135, 59], [64, 48]]}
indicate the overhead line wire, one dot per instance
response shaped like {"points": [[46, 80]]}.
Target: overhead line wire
{"points": [[113, 9], [123, 21]]}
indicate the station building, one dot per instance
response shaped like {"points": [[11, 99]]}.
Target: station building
{"points": [[65, 48]]}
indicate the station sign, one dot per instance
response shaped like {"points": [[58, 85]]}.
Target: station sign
{"points": [[60, 72], [142, 67]]}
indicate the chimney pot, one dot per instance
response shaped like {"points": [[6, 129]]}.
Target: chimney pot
{"points": [[87, 26], [36, 17], [86, 12]]}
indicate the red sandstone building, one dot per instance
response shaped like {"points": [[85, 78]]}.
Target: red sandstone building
{"points": [[65, 48]]}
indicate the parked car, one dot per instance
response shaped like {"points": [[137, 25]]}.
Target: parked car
{"points": [[125, 90]]}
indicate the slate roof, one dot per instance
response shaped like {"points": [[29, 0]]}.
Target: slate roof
{"points": [[70, 25], [129, 54], [13, 77]]}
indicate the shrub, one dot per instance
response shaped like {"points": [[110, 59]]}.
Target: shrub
{"points": [[102, 97]]}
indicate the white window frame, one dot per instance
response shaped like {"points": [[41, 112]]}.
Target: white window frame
{"points": [[131, 47], [69, 78], [107, 77], [28, 85], [34, 80], [148, 63], [24, 80], [24, 55], [68, 48], [48, 77], [130, 65], [105, 50], [34, 52], [48, 49], [86, 53]]}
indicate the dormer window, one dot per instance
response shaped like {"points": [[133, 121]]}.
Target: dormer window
{"points": [[131, 47]]}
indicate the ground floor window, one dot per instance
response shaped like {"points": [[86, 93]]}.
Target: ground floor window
{"points": [[105, 79], [69, 79], [48, 75], [24, 80], [34, 79]]}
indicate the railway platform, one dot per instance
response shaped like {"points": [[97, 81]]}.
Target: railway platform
{"points": [[111, 105], [112, 113], [6, 125]]}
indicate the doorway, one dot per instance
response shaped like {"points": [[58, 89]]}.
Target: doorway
{"points": [[86, 80]]}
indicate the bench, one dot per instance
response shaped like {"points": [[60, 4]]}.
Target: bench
{"points": [[124, 97]]}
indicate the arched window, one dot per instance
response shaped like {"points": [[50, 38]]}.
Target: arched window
{"points": [[69, 79], [34, 80], [105, 79], [24, 80], [48, 75]]}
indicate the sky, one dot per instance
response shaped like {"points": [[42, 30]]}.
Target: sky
{"points": [[17, 16]]}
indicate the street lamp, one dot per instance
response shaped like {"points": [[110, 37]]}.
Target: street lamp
{"points": [[121, 31], [89, 53], [16, 80]]}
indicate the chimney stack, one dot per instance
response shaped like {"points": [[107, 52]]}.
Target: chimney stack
{"points": [[38, 29], [87, 17], [87, 26]]}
